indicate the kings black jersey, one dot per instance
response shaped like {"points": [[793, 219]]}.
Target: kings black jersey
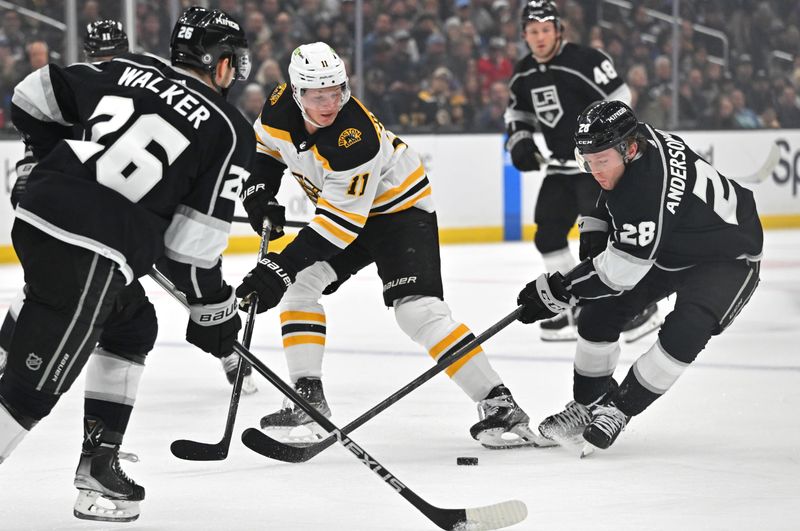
{"points": [[670, 210], [553, 94], [157, 172]]}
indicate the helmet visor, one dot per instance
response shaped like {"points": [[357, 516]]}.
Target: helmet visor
{"points": [[599, 162], [322, 99], [243, 64]]}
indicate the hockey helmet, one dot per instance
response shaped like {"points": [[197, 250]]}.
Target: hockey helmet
{"points": [[105, 38], [315, 66], [541, 11], [604, 125], [202, 37]]}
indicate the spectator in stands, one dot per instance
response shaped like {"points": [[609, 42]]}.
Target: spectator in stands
{"points": [[743, 115], [769, 119], [637, 82], [406, 45], [490, 116], [269, 74], [153, 37], [760, 96], [251, 101], [381, 33], [435, 55], [722, 118], [495, 65], [375, 97], [788, 108], [11, 31], [477, 14], [256, 28]]}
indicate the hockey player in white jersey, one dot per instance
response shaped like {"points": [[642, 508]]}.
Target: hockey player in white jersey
{"points": [[373, 204]]}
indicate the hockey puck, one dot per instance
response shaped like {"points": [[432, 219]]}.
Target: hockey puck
{"points": [[467, 461]]}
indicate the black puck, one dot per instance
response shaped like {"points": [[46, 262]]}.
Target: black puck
{"points": [[467, 461]]}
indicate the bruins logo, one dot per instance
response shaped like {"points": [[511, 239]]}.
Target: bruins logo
{"points": [[273, 98], [349, 137]]}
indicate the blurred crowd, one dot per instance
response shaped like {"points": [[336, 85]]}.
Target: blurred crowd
{"points": [[444, 65]]}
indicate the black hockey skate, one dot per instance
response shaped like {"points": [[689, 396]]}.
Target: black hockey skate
{"points": [[229, 364], [565, 428], [291, 424], [105, 492], [562, 327], [606, 425], [642, 324], [503, 424]]}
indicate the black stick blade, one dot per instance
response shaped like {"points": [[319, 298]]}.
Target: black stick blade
{"points": [[198, 451], [265, 445]]}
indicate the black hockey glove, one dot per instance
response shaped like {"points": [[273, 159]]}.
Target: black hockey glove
{"points": [[594, 236], [259, 203], [24, 168], [525, 155], [269, 279], [543, 298], [213, 327]]}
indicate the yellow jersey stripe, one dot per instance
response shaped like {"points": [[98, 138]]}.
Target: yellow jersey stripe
{"points": [[333, 230], [451, 339], [356, 218], [402, 187], [452, 369], [277, 133], [425, 192], [270, 152], [302, 316], [369, 114], [303, 340], [323, 160]]}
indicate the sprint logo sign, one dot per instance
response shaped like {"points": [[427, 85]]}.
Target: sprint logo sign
{"points": [[547, 105]]}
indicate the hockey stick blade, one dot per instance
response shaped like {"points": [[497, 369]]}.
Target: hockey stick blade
{"points": [[766, 169], [200, 451], [261, 443]]}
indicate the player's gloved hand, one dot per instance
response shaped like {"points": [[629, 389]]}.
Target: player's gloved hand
{"points": [[259, 203], [525, 155], [24, 168], [543, 298], [214, 327], [269, 280], [594, 236]]}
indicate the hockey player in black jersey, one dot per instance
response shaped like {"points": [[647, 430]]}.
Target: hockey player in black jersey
{"points": [[549, 88], [155, 179], [373, 204], [668, 223]]}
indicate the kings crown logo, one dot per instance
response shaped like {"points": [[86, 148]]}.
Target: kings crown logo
{"points": [[349, 137]]}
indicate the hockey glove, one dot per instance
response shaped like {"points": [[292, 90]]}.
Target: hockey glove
{"points": [[543, 298], [259, 203], [525, 155], [24, 168], [594, 236], [269, 280], [213, 327]]}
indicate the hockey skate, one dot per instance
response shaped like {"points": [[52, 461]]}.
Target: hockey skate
{"points": [[105, 492], [566, 428], [642, 324], [502, 422], [229, 364], [562, 327], [606, 425], [291, 424]]}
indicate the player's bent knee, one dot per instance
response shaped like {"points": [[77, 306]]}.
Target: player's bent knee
{"points": [[24, 402], [686, 331], [550, 239], [310, 283], [415, 315]]}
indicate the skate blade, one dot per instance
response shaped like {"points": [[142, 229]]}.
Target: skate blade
{"points": [[651, 325], [520, 436], [573, 445], [249, 385], [90, 505]]}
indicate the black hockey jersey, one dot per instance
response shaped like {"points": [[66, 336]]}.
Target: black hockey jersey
{"points": [[157, 173], [672, 210], [553, 94]]}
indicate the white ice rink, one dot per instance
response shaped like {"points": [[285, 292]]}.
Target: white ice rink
{"points": [[721, 451]]}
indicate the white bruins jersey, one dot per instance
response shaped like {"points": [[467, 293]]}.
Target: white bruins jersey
{"points": [[351, 170]]}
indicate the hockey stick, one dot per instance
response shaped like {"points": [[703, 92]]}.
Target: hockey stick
{"points": [[200, 451], [495, 516], [261, 443], [766, 169], [295, 224]]}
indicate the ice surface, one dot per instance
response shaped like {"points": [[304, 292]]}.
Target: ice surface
{"points": [[719, 451]]}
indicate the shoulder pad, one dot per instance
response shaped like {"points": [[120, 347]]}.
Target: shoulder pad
{"points": [[352, 140]]}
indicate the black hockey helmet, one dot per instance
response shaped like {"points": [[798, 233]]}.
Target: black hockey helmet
{"points": [[202, 37], [541, 11], [105, 38], [604, 125]]}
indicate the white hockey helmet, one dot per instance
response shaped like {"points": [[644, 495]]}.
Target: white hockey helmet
{"points": [[315, 66]]}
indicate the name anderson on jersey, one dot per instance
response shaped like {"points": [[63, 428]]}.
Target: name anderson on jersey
{"points": [[677, 171], [188, 106]]}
